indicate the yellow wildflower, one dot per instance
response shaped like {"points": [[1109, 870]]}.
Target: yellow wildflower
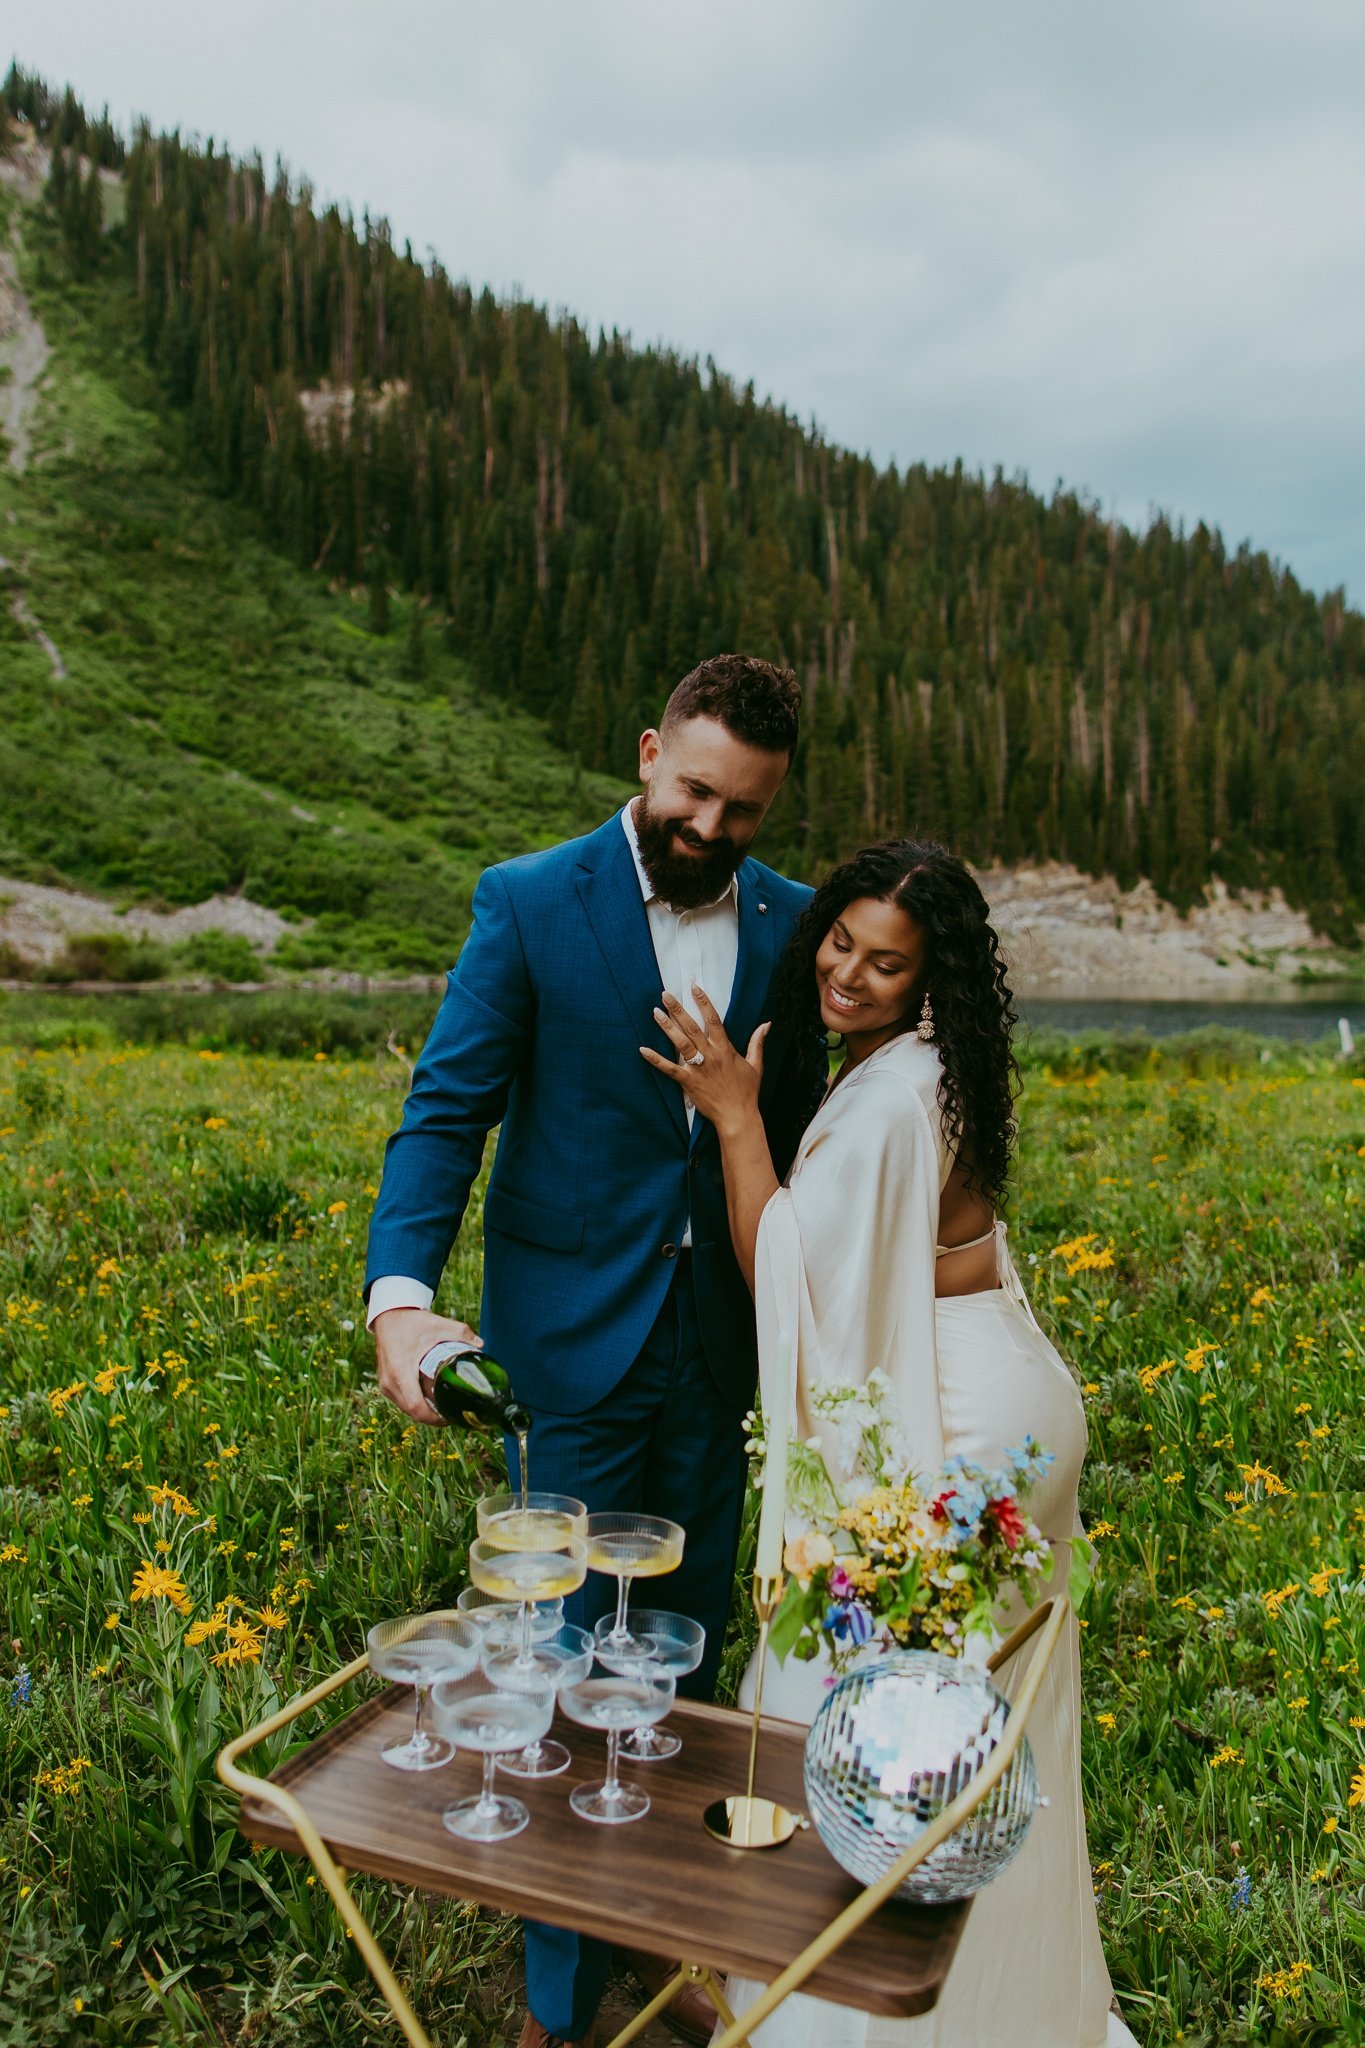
{"points": [[244, 1645], [1108, 1722], [1226, 1755], [272, 1617], [63, 1781], [1260, 1475], [1356, 1795], [1284, 1983], [1148, 1375], [159, 1582], [1331, 1824]]}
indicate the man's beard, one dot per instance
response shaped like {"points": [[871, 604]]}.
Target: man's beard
{"points": [[683, 881]]}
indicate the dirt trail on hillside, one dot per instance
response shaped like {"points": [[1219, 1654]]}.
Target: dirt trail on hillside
{"points": [[24, 352], [23, 345]]}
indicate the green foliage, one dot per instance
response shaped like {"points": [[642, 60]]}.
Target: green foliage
{"points": [[242, 1203], [109, 956], [303, 1024], [224, 956]]}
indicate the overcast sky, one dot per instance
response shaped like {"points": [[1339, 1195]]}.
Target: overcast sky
{"points": [[1123, 246]]}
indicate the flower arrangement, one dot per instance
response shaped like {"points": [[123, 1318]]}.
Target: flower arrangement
{"points": [[887, 1557]]}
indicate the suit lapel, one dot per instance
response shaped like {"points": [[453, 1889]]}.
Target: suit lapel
{"points": [[609, 890]]}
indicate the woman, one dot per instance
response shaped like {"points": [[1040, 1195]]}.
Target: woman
{"points": [[884, 1249]]}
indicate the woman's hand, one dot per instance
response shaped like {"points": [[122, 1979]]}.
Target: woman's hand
{"points": [[709, 1070]]}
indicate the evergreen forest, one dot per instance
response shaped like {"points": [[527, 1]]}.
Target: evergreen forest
{"points": [[585, 519]]}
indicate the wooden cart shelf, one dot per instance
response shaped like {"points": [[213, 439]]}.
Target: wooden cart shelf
{"points": [[661, 1884]]}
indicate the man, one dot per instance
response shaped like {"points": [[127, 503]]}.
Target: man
{"points": [[611, 1292]]}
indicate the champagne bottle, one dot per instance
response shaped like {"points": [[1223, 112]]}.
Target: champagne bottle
{"points": [[468, 1386]]}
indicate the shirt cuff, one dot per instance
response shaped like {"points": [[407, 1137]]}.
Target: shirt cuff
{"points": [[396, 1291]]}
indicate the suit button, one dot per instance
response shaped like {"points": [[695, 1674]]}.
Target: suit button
{"points": [[669, 1251]]}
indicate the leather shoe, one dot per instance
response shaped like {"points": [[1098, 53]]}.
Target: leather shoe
{"points": [[533, 2035], [689, 2015]]}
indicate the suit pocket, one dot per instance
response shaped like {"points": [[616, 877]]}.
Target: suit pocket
{"points": [[532, 1222]]}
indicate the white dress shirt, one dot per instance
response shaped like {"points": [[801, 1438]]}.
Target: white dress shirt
{"points": [[689, 945]]}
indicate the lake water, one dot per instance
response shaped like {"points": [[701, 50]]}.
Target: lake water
{"points": [[1292, 1017]]}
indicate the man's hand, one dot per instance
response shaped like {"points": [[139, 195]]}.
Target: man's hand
{"points": [[401, 1337]]}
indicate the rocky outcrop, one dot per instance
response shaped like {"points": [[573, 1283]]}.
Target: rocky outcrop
{"points": [[1069, 935]]}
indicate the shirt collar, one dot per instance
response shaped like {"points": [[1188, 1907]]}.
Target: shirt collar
{"points": [[729, 894]]}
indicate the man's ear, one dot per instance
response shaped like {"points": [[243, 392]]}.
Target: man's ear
{"points": [[651, 746]]}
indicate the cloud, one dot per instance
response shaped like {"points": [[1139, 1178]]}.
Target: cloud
{"points": [[1120, 247]]}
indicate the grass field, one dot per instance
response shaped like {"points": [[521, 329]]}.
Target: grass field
{"points": [[204, 1504]]}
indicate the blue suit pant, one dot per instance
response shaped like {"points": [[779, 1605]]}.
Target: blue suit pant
{"points": [[661, 1443]]}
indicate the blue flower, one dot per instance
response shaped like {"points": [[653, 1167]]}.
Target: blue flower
{"points": [[852, 1624], [22, 1691], [1030, 1461], [1241, 1890]]}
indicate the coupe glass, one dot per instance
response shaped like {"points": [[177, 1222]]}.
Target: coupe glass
{"points": [[555, 1660], [615, 1705], [670, 1643], [528, 1576], [419, 1650], [628, 1547], [482, 1717], [536, 1521], [500, 1620]]}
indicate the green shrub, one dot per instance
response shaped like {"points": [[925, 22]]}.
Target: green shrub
{"points": [[109, 956], [225, 956], [245, 1204]]}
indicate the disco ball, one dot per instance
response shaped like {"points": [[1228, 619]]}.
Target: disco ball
{"points": [[894, 1743]]}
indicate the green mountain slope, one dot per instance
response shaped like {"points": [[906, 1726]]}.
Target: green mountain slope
{"points": [[226, 721], [587, 520]]}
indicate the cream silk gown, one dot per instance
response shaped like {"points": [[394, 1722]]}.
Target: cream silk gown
{"points": [[845, 1264]]}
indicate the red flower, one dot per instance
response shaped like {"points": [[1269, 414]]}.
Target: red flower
{"points": [[1008, 1519], [939, 1509]]}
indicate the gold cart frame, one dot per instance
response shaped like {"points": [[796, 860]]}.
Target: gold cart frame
{"points": [[1050, 1618]]}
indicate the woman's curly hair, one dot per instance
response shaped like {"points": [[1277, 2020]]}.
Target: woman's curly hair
{"points": [[964, 978]]}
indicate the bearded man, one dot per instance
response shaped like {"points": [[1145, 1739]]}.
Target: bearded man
{"points": [[611, 1292]]}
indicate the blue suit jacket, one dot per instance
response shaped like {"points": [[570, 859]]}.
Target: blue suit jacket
{"points": [[595, 1176]]}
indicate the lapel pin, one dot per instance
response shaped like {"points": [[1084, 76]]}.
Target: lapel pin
{"points": [[763, 909]]}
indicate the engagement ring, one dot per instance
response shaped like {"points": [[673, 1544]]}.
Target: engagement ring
{"points": [[698, 1059]]}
